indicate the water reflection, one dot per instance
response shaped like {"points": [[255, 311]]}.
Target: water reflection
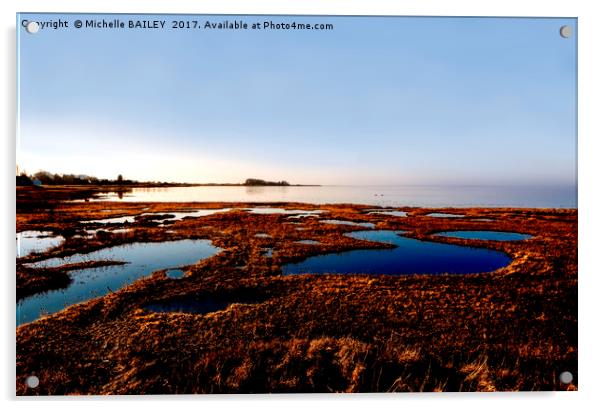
{"points": [[384, 196], [34, 241], [141, 259], [263, 190], [410, 256]]}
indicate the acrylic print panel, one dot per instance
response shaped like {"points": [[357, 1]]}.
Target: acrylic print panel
{"points": [[256, 204]]}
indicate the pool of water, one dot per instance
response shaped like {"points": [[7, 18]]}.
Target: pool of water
{"points": [[303, 215], [486, 235], [348, 223], [410, 256], [93, 232], [397, 213], [122, 219], [175, 273], [34, 241], [196, 213], [310, 242], [276, 210], [450, 215], [141, 258], [164, 216]]}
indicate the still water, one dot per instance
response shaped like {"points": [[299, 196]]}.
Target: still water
{"points": [[426, 196], [411, 256], [141, 259], [33, 241]]}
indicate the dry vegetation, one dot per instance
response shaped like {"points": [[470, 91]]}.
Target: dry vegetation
{"points": [[513, 329]]}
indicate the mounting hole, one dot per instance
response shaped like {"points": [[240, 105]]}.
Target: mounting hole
{"points": [[566, 31], [32, 27], [32, 381], [566, 377]]}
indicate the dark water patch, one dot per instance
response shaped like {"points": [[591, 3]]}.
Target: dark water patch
{"points": [[410, 256], [139, 260], [485, 235]]}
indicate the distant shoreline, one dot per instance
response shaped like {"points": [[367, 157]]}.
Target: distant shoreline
{"points": [[163, 184]]}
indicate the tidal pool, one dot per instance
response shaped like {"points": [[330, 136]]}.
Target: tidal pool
{"points": [[303, 215], [276, 210], [141, 259], [410, 256], [33, 241], [348, 223], [122, 219], [310, 242], [485, 235], [175, 273], [450, 215], [173, 216], [397, 213], [195, 213]]}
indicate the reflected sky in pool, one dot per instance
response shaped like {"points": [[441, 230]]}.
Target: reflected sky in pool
{"points": [[31, 241], [141, 258], [411, 256]]}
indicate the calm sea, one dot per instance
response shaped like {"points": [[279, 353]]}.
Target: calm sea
{"points": [[425, 196]]}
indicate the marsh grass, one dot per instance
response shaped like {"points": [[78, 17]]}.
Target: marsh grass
{"points": [[512, 329]]}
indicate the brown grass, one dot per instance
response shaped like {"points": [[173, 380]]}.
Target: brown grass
{"points": [[513, 329]]}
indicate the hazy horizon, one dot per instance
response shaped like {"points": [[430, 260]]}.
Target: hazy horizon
{"points": [[293, 184], [377, 101]]}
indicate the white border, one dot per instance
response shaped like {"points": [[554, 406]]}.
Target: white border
{"points": [[590, 67]]}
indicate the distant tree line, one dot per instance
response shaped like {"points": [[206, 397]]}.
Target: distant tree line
{"points": [[261, 182], [46, 178]]}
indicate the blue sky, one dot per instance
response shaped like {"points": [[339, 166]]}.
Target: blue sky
{"points": [[377, 100]]}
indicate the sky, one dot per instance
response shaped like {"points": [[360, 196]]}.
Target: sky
{"points": [[376, 100]]}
